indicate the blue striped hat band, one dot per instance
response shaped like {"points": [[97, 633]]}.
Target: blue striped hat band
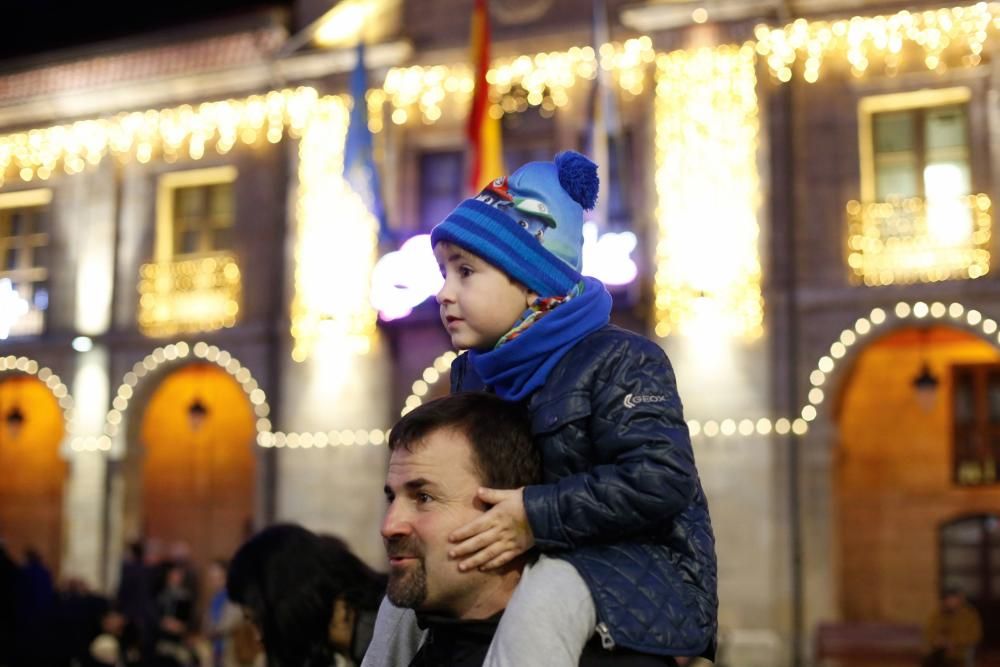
{"points": [[497, 238]]}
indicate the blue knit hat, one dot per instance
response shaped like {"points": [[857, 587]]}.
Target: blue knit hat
{"points": [[530, 225]]}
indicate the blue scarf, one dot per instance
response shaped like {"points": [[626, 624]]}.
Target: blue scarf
{"points": [[519, 366]]}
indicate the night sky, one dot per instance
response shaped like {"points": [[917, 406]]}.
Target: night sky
{"points": [[33, 27]]}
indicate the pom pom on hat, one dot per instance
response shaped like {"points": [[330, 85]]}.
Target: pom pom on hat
{"points": [[578, 177]]}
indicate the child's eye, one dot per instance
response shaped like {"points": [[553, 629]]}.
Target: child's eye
{"points": [[464, 271]]}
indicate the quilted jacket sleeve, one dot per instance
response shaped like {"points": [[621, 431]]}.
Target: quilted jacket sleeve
{"points": [[642, 471]]}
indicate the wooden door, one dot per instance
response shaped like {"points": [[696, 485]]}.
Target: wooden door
{"points": [[198, 471], [32, 472]]}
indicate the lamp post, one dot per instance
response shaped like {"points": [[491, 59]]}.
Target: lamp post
{"points": [[14, 422], [197, 413]]}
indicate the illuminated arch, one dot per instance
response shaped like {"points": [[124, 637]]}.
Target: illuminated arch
{"points": [[879, 318], [430, 376], [169, 355], [28, 366]]}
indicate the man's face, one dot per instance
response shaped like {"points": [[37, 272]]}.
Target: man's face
{"points": [[431, 491]]}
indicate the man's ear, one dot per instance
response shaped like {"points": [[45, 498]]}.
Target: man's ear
{"points": [[341, 628]]}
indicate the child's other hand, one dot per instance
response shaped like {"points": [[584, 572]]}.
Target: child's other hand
{"points": [[498, 536]]}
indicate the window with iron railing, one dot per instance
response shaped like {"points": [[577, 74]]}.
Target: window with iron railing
{"points": [[919, 219], [193, 283]]}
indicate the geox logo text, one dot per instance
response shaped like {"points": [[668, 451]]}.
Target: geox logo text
{"points": [[631, 400]]}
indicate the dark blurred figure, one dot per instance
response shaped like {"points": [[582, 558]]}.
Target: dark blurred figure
{"points": [[135, 597], [35, 604], [8, 583], [117, 644], [175, 613], [307, 595], [953, 632], [77, 621], [180, 556]]}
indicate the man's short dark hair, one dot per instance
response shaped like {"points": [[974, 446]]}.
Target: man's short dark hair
{"points": [[499, 432]]}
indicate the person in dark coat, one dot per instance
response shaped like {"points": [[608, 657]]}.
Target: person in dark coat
{"points": [[621, 518], [175, 606], [308, 596], [8, 591], [35, 611], [135, 598]]}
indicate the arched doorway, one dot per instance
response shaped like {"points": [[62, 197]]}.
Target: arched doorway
{"points": [[895, 473], [198, 465], [33, 472]]}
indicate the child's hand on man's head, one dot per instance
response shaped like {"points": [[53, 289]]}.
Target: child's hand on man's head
{"points": [[501, 534]]}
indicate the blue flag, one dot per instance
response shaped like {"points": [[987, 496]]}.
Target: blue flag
{"points": [[604, 125], [359, 164]]}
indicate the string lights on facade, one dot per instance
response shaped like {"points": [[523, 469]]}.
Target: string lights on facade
{"points": [[189, 295], [321, 439], [888, 40], [320, 123], [729, 427], [428, 378], [27, 366], [175, 352], [167, 134], [540, 80], [907, 240], [266, 437], [336, 241], [827, 364]]}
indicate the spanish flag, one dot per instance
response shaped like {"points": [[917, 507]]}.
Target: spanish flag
{"points": [[485, 161]]}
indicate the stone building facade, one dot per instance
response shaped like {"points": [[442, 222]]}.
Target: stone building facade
{"points": [[187, 263]]}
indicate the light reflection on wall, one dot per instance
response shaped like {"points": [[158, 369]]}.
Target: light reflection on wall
{"points": [[336, 240], [404, 279], [708, 266]]}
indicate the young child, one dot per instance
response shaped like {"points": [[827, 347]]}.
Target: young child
{"points": [[621, 522]]}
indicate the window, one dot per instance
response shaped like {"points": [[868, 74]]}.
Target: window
{"points": [[921, 152], [918, 219], [195, 212], [442, 186], [24, 241], [976, 423], [203, 218], [194, 282]]}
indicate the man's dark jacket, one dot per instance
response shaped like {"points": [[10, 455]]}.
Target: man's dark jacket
{"points": [[622, 501], [454, 643]]}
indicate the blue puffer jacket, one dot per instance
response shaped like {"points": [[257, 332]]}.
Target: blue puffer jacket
{"points": [[622, 500]]}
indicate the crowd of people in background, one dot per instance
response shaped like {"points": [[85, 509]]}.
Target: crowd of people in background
{"points": [[166, 613]]}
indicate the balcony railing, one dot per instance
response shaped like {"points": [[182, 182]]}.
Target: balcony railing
{"points": [[189, 295], [916, 240]]}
